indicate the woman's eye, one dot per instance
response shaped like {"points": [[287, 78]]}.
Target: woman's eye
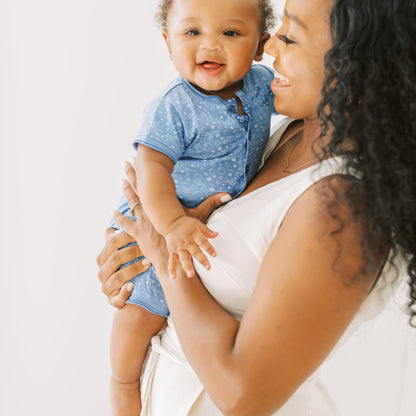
{"points": [[231, 33], [285, 39], [192, 32]]}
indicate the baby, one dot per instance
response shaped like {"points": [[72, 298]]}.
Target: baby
{"points": [[205, 133]]}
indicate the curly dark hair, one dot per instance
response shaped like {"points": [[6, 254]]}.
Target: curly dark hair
{"points": [[369, 97], [268, 17]]}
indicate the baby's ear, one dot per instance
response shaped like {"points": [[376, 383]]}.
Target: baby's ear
{"points": [[260, 48], [165, 35]]}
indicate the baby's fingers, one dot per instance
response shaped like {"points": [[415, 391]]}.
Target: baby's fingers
{"points": [[172, 265], [206, 246], [186, 263], [207, 232], [199, 256]]}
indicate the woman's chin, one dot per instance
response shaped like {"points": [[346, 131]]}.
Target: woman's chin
{"points": [[282, 109], [292, 110]]}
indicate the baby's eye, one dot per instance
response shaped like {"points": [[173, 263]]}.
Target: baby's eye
{"points": [[231, 33], [192, 32]]}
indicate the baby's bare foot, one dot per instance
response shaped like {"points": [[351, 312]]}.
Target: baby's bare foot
{"points": [[125, 398]]}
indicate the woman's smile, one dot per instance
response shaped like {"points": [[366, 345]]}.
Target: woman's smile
{"points": [[280, 82]]}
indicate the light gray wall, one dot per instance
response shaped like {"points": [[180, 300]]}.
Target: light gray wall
{"points": [[74, 78]]}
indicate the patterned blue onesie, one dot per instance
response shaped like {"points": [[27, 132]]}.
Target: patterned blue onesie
{"points": [[213, 147]]}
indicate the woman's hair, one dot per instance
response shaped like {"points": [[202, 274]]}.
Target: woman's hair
{"points": [[266, 9], [369, 99]]}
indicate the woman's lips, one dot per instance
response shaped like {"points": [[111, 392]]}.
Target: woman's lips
{"points": [[279, 82]]}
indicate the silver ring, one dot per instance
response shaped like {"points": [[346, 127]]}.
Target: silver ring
{"points": [[134, 206]]}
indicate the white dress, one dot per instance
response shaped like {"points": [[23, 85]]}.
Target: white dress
{"points": [[370, 372]]}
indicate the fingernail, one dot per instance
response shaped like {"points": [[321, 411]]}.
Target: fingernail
{"points": [[130, 286], [225, 198], [145, 262]]}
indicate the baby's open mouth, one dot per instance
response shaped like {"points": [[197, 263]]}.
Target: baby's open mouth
{"points": [[210, 65]]}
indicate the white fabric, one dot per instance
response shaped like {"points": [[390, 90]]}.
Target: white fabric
{"points": [[369, 372]]}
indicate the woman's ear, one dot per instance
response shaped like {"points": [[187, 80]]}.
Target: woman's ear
{"points": [[167, 41], [260, 48]]}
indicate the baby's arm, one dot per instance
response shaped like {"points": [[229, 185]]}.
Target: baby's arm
{"points": [[185, 236]]}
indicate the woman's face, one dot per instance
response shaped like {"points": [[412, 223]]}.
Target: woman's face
{"points": [[299, 49]]}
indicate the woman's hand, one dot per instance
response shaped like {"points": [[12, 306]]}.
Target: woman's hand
{"points": [[117, 251], [208, 206]]}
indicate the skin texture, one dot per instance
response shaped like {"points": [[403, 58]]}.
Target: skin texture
{"points": [[299, 309]]}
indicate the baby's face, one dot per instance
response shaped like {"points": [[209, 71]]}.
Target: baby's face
{"points": [[213, 43]]}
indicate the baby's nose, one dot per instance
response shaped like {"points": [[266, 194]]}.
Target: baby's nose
{"points": [[211, 42]]}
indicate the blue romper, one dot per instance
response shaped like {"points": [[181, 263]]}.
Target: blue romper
{"points": [[213, 147]]}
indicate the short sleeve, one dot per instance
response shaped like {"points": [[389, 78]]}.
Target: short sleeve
{"points": [[162, 127], [263, 76]]}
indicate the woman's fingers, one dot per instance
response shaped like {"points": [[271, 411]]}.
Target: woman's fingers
{"points": [[119, 300], [113, 281], [119, 251], [118, 241], [131, 175], [115, 261], [109, 233], [205, 208], [130, 194], [127, 224]]}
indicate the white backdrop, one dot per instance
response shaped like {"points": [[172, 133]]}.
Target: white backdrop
{"points": [[74, 78]]}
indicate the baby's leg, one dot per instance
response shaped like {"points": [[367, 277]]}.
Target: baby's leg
{"points": [[133, 327]]}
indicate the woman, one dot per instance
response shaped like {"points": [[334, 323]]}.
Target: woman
{"points": [[317, 247]]}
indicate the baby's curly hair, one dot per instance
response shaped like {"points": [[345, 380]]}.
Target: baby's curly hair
{"points": [[267, 14]]}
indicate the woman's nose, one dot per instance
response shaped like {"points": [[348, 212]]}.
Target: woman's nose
{"points": [[271, 47]]}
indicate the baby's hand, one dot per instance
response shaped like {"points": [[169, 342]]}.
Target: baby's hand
{"points": [[185, 239]]}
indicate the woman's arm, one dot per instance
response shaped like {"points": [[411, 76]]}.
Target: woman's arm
{"points": [[309, 288]]}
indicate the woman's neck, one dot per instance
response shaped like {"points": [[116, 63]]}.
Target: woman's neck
{"points": [[312, 131], [294, 152]]}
